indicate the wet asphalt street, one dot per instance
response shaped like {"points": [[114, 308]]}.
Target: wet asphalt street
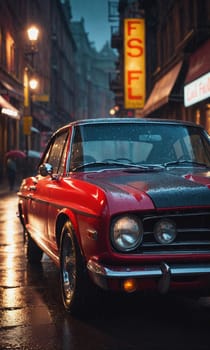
{"points": [[32, 316]]}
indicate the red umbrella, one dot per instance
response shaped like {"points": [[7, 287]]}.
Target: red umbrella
{"points": [[15, 153]]}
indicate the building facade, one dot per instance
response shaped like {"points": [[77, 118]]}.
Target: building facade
{"points": [[73, 78], [11, 91], [63, 64], [50, 61], [177, 55], [93, 99]]}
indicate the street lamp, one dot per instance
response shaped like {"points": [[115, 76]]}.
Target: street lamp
{"points": [[33, 33], [29, 83], [33, 83]]}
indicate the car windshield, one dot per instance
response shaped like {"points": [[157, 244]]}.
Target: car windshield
{"points": [[152, 144]]}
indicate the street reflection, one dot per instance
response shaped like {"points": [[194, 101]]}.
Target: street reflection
{"points": [[24, 314], [10, 297], [10, 222], [10, 278], [9, 249]]}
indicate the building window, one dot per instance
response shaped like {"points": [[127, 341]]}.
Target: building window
{"points": [[10, 54], [197, 116], [207, 126], [2, 48]]}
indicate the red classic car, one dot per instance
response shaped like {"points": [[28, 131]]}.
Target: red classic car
{"points": [[122, 204]]}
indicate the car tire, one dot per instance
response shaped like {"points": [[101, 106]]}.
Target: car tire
{"points": [[76, 288], [34, 253]]}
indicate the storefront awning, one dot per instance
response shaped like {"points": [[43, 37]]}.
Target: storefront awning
{"points": [[13, 91], [199, 63], [162, 90], [197, 82], [8, 110]]}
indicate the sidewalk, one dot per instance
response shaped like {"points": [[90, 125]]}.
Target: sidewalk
{"points": [[5, 191]]}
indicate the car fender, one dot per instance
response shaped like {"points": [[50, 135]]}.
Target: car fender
{"points": [[66, 215]]}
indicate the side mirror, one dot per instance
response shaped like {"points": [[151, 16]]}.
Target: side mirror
{"points": [[46, 169]]}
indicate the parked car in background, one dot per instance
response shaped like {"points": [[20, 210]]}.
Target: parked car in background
{"points": [[123, 205]]}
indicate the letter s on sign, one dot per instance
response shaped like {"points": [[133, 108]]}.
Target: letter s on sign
{"points": [[135, 44]]}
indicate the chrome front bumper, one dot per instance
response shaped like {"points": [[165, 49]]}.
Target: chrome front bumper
{"points": [[164, 272]]}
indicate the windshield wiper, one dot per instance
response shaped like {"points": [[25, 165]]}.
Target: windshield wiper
{"points": [[148, 167], [185, 161], [113, 163]]}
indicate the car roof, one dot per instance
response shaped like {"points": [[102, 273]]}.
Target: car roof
{"points": [[127, 121]]}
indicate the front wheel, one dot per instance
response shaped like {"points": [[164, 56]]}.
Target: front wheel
{"points": [[75, 284]]}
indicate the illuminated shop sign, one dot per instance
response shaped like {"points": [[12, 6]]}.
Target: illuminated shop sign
{"points": [[196, 91], [134, 63], [9, 112]]}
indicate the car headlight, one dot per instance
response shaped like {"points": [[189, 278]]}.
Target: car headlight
{"points": [[165, 231], [126, 233]]}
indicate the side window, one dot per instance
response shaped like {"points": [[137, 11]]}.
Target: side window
{"points": [[57, 153]]}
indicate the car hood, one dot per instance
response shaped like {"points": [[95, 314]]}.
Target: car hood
{"points": [[167, 188]]}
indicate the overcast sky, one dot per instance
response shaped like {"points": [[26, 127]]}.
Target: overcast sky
{"points": [[95, 13]]}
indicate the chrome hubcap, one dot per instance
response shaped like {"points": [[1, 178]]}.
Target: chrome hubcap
{"points": [[69, 267]]}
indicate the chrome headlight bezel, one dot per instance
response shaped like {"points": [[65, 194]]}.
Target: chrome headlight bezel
{"points": [[165, 231], [126, 233]]}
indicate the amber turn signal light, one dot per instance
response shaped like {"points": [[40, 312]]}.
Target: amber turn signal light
{"points": [[129, 285]]}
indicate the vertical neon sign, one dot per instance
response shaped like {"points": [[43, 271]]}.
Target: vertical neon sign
{"points": [[134, 63]]}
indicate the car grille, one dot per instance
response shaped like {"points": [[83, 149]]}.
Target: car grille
{"points": [[193, 233]]}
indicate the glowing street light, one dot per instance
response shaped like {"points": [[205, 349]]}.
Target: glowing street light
{"points": [[33, 33], [30, 83], [33, 83]]}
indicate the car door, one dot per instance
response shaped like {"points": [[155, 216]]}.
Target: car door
{"points": [[57, 159], [42, 189]]}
